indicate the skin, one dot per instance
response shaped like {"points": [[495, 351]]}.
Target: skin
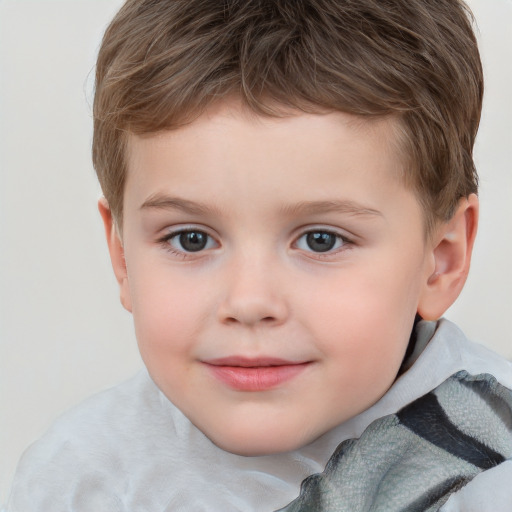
{"points": [[340, 319]]}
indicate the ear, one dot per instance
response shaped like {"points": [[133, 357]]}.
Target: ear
{"points": [[451, 250], [115, 247]]}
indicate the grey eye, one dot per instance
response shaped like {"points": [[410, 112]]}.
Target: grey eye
{"points": [[320, 241], [191, 241]]}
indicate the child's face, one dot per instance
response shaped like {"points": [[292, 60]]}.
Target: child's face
{"points": [[274, 270]]}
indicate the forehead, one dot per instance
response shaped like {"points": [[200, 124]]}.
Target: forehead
{"points": [[296, 157], [233, 120]]}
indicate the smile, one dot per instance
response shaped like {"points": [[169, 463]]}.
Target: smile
{"points": [[260, 374]]}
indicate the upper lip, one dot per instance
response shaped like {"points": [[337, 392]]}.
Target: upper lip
{"points": [[252, 362]]}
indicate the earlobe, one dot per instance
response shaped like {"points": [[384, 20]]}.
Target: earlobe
{"points": [[116, 251], [451, 252]]}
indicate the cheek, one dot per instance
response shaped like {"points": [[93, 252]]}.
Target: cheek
{"points": [[167, 313], [364, 317]]}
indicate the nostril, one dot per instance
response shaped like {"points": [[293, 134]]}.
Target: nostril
{"points": [[233, 320], [249, 308]]}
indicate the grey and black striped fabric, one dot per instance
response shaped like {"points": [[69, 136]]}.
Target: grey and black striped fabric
{"points": [[412, 461]]}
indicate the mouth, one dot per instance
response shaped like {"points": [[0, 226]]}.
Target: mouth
{"points": [[255, 374]]}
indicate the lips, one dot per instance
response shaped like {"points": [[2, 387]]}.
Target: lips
{"points": [[254, 374]]}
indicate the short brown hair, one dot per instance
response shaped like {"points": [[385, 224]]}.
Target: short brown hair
{"points": [[162, 62]]}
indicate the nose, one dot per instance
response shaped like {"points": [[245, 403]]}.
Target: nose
{"points": [[252, 295]]}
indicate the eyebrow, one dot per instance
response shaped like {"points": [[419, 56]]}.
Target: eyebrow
{"points": [[164, 202], [337, 206]]}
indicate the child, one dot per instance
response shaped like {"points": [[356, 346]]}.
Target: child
{"points": [[290, 207]]}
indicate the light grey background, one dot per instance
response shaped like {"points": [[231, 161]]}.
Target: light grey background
{"points": [[63, 333]]}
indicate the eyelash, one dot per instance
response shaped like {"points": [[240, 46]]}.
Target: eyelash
{"points": [[343, 241]]}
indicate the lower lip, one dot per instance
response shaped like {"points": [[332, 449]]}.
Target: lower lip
{"points": [[260, 378]]}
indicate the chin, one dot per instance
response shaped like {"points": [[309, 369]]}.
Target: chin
{"points": [[252, 449], [259, 444]]}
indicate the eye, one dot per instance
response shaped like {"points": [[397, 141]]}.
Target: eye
{"points": [[190, 240], [321, 241]]}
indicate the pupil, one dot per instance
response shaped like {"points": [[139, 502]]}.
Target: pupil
{"points": [[320, 242], [193, 241]]}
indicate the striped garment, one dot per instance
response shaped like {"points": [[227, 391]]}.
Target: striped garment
{"points": [[412, 461]]}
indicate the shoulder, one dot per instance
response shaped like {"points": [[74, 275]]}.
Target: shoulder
{"points": [[88, 448], [481, 407], [465, 420], [101, 419]]}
